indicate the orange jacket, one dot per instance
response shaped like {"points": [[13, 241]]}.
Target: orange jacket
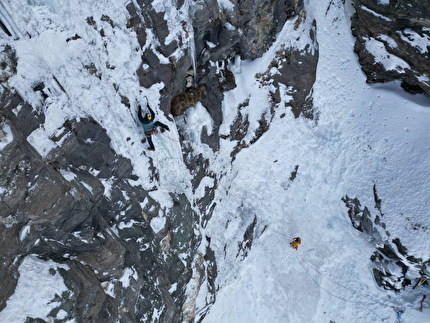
{"points": [[296, 243]]}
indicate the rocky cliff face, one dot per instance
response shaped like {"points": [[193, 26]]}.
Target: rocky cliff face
{"points": [[393, 42], [59, 203], [77, 205], [216, 38]]}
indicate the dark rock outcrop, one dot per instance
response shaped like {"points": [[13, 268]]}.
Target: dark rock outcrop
{"points": [[393, 267], [104, 238], [8, 63], [400, 31], [216, 35]]}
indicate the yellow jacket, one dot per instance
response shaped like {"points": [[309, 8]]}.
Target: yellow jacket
{"points": [[296, 243]]}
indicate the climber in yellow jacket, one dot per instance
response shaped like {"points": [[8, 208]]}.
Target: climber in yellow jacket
{"points": [[296, 242]]}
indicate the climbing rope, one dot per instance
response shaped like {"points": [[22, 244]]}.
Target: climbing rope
{"points": [[173, 139], [347, 288], [335, 296]]}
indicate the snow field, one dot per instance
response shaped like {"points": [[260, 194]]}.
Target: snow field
{"points": [[365, 136], [35, 292]]}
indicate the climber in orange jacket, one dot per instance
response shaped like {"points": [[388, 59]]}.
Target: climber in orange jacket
{"points": [[296, 242]]}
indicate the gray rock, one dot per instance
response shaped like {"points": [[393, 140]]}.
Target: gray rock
{"points": [[402, 19], [8, 62], [74, 225], [248, 31], [390, 257]]}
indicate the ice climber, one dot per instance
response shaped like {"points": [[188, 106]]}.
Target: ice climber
{"points": [[148, 124], [296, 242]]}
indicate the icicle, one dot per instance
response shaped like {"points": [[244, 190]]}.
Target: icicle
{"points": [[192, 48], [191, 40], [237, 65]]}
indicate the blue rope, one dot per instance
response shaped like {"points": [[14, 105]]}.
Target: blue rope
{"points": [[399, 313]]}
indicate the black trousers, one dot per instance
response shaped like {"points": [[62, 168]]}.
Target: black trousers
{"points": [[148, 133]]}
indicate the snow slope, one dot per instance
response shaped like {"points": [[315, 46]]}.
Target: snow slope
{"points": [[366, 135]]}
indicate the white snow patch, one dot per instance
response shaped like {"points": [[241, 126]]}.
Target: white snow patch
{"points": [[158, 223], [94, 172], [109, 288], [124, 225], [384, 2], [229, 26], [68, 176], [205, 182], [211, 45], [162, 197], [24, 232], [107, 183], [40, 140], [423, 78], [375, 13], [35, 291], [415, 40], [127, 274], [390, 62], [2, 191], [285, 93], [6, 136], [156, 314], [226, 5], [143, 203], [173, 288], [194, 120], [88, 187], [17, 109], [235, 66], [391, 42], [61, 315]]}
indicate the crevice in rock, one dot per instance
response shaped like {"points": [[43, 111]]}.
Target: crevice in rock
{"points": [[245, 246]]}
